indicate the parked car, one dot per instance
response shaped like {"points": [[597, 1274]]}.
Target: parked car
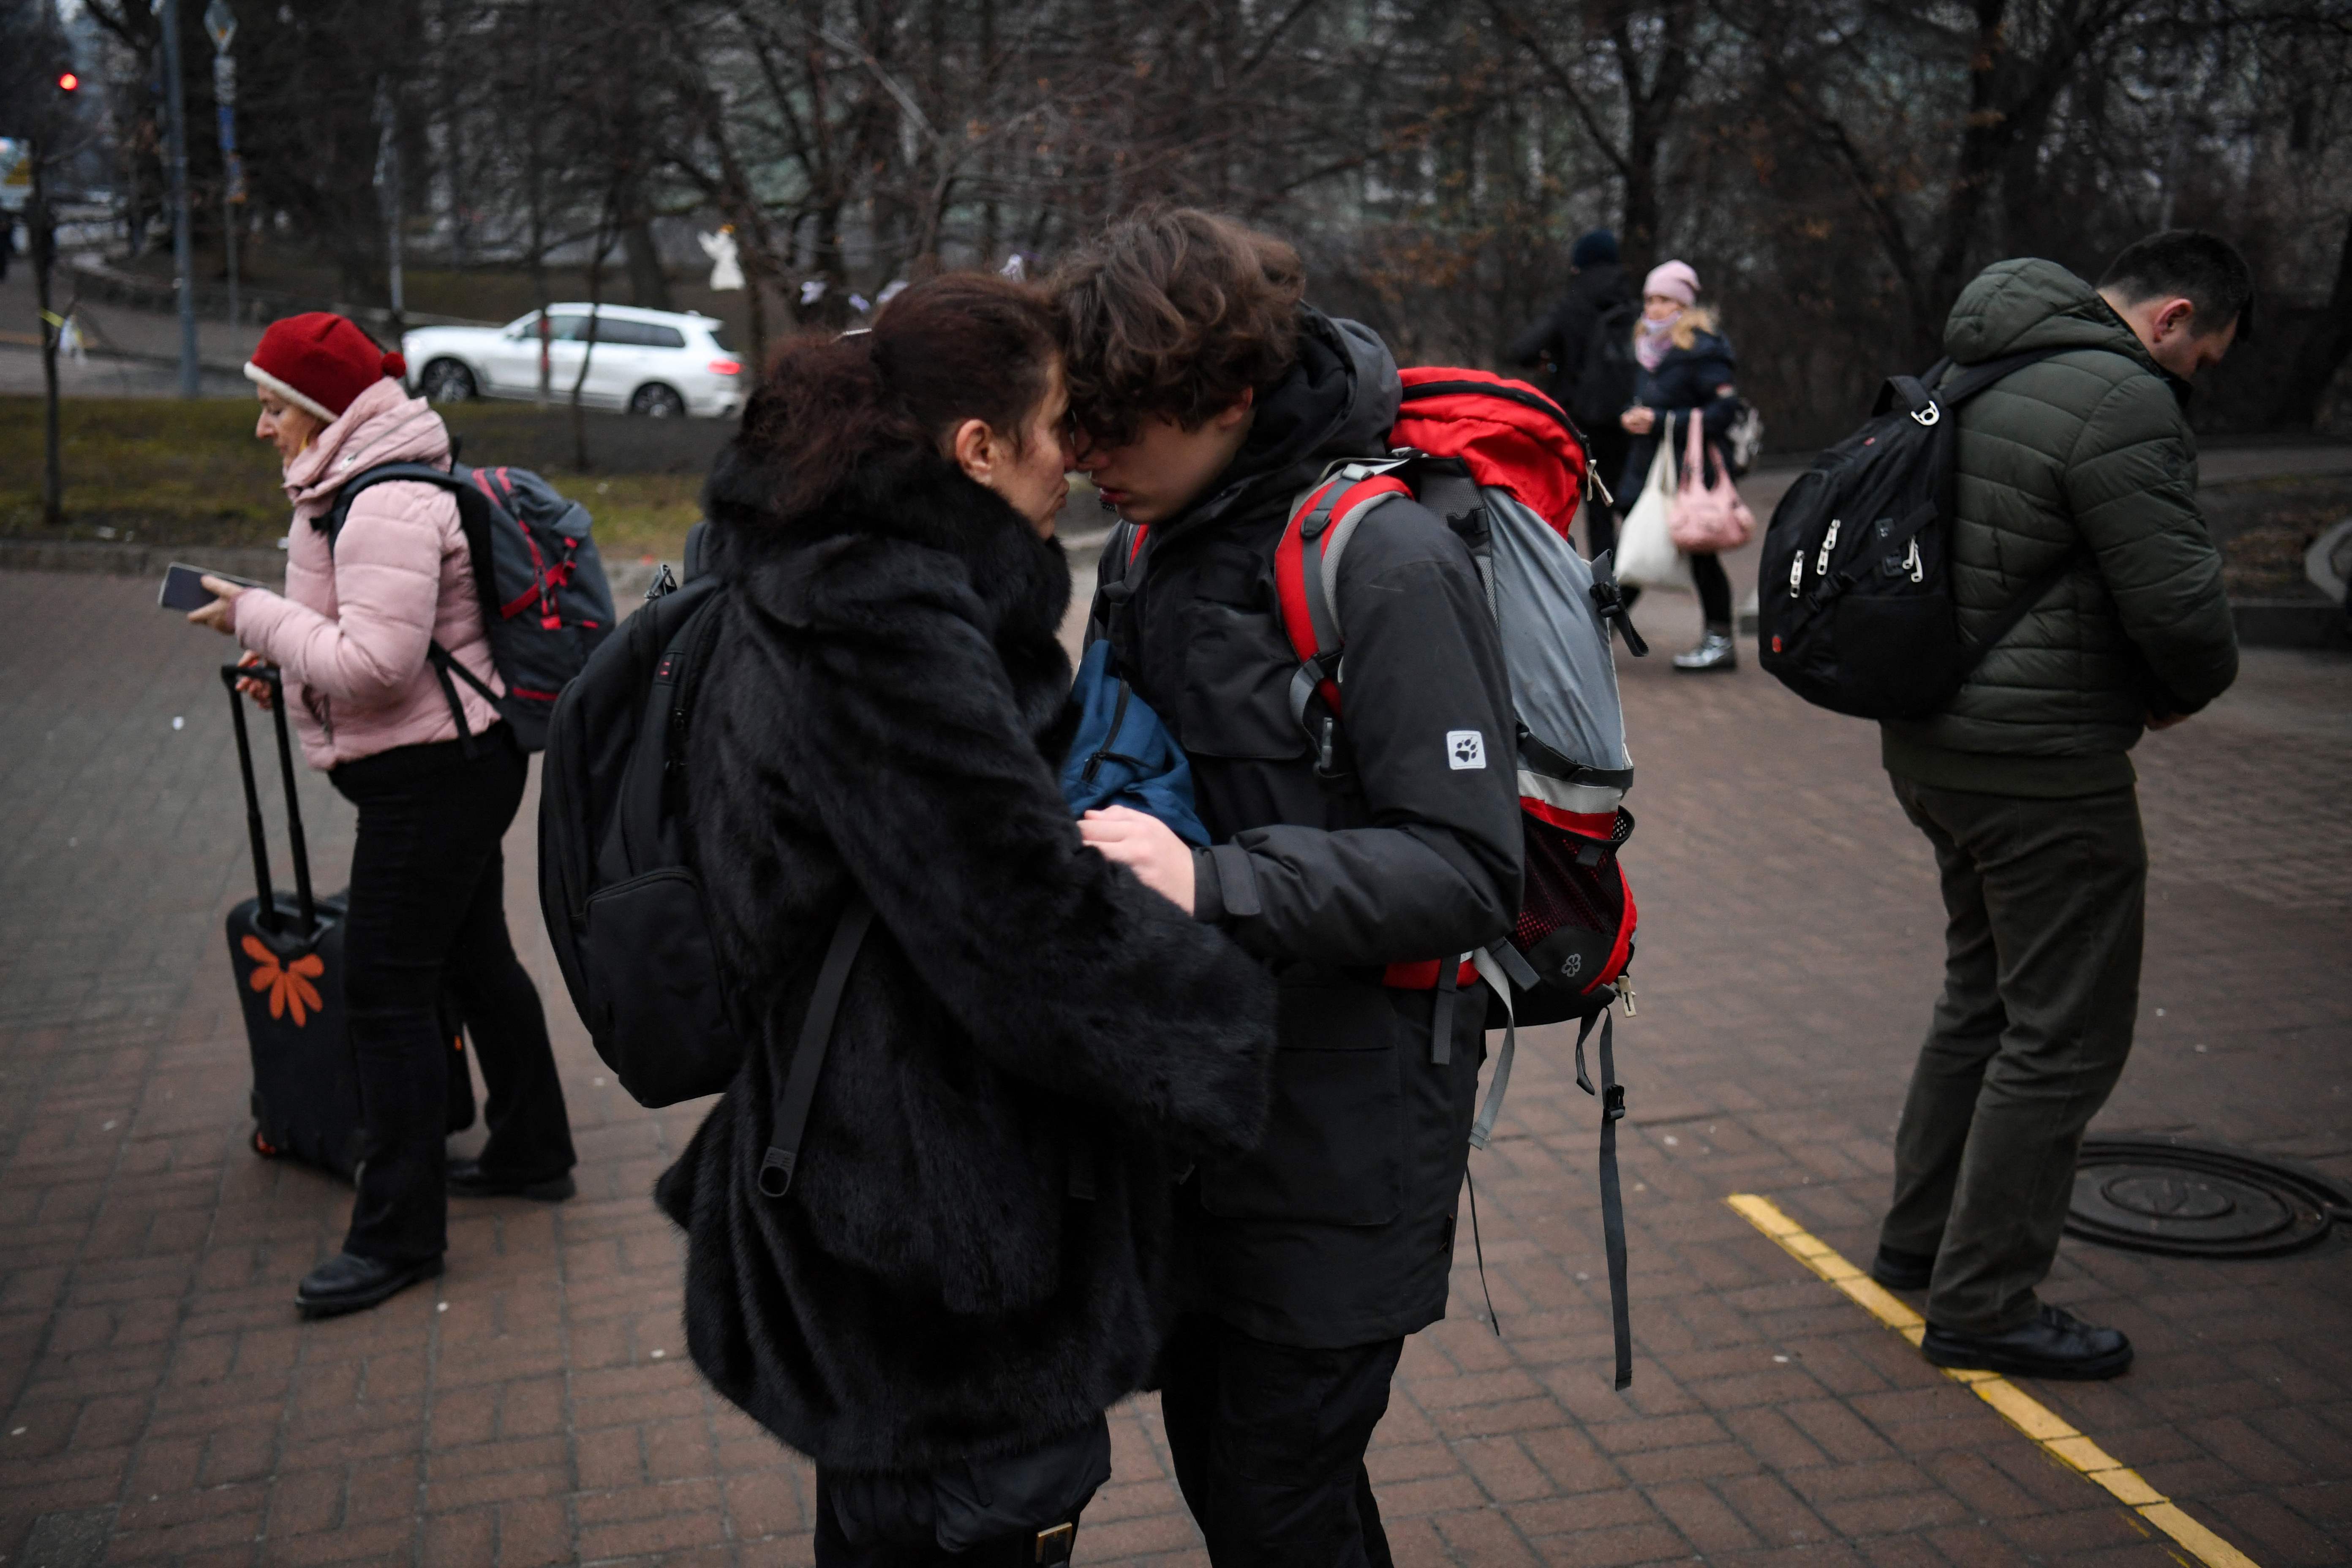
{"points": [[663, 364]]}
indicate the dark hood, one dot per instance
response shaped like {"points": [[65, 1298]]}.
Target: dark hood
{"points": [[2015, 306], [1605, 285], [1340, 400]]}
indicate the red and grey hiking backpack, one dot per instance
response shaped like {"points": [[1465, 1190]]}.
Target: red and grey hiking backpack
{"points": [[545, 603]]}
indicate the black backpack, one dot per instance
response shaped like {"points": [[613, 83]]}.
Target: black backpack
{"points": [[624, 907], [545, 603], [1605, 387], [1854, 606]]}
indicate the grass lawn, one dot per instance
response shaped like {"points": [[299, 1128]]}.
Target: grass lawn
{"points": [[168, 472]]}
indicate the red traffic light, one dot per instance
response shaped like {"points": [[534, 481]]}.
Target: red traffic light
{"points": [[67, 81]]}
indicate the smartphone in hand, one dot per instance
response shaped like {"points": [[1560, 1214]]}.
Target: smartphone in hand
{"points": [[184, 588]]}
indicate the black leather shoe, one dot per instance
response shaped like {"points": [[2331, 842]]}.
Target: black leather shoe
{"points": [[349, 1283], [2056, 1343], [1900, 1270], [468, 1180]]}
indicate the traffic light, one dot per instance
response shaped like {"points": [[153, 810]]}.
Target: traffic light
{"points": [[68, 83]]}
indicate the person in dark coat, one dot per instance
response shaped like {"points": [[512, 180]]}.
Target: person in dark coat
{"points": [[1572, 343], [972, 1260], [1206, 394], [1684, 369], [2075, 484]]}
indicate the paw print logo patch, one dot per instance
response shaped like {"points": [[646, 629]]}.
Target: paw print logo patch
{"points": [[1464, 749]]}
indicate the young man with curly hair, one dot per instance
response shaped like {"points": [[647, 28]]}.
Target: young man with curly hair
{"points": [[1206, 395]]}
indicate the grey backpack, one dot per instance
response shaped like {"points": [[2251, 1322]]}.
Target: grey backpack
{"points": [[545, 603]]}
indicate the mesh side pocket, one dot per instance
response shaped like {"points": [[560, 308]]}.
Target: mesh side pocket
{"points": [[1561, 892]]}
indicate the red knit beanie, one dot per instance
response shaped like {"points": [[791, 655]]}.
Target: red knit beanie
{"points": [[319, 363]]}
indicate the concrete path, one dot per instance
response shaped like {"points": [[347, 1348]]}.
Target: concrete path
{"points": [[160, 1402]]}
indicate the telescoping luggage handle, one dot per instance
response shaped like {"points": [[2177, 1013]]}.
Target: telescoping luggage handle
{"points": [[265, 911]]}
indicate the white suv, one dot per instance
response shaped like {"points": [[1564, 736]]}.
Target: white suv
{"points": [[664, 364]]}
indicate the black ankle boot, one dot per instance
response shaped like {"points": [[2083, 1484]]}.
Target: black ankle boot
{"points": [[2054, 1343], [1900, 1270], [349, 1283]]}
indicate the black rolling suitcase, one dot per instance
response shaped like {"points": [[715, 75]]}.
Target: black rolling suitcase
{"points": [[287, 953]]}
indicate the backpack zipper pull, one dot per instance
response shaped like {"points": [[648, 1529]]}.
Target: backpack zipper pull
{"points": [[1797, 574], [1822, 565], [1918, 567]]}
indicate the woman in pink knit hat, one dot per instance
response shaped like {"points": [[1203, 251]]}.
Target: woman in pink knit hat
{"points": [[1682, 369], [437, 778]]}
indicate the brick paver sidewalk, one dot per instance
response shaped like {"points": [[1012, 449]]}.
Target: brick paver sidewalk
{"points": [[163, 1403]]}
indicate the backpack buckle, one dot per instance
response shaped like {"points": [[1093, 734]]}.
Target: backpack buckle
{"points": [[1613, 1103], [1926, 417], [776, 1172]]}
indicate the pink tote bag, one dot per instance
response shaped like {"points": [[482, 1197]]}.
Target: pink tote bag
{"points": [[1707, 518]]}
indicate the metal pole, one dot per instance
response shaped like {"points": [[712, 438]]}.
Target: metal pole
{"points": [[231, 166], [387, 176], [43, 230], [182, 259]]}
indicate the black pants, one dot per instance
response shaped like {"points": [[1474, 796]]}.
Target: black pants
{"points": [[1269, 1446], [989, 1513], [427, 912], [1600, 528], [2046, 900], [1713, 585]]}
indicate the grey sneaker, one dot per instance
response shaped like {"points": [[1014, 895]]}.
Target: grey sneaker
{"points": [[1715, 651]]}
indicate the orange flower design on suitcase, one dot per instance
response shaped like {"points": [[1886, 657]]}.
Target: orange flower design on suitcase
{"points": [[288, 987]]}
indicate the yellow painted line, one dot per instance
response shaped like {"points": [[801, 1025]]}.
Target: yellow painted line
{"points": [[2021, 1410]]}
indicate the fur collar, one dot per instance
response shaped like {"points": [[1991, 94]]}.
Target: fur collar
{"points": [[1019, 584]]}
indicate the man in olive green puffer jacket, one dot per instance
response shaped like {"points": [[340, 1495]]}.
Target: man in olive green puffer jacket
{"points": [[2022, 785]]}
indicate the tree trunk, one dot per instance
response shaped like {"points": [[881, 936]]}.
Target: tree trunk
{"points": [[648, 286], [588, 343], [2323, 353]]}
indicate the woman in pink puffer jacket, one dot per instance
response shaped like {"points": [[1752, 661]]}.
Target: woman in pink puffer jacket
{"points": [[437, 778]]}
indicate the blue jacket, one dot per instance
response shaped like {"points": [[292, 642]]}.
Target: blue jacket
{"points": [[1123, 755]]}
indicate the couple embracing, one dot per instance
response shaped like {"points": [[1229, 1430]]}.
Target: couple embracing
{"points": [[1105, 1110]]}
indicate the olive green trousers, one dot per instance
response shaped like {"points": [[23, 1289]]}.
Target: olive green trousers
{"points": [[2047, 902]]}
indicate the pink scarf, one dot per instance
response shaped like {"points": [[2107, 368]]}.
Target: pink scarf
{"points": [[1651, 341]]}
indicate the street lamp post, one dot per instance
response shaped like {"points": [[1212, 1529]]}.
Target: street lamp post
{"points": [[167, 13], [221, 23], [388, 190]]}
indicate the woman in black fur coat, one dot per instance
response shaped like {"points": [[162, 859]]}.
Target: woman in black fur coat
{"points": [[968, 1266]]}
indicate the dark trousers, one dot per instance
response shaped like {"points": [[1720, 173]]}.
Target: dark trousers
{"points": [[835, 1549], [990, 1513], [2046, 902], [1269, 1446], [1713, 585], [427, 913]]}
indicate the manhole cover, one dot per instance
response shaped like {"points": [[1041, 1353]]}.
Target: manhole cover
{"points": [[2198, 1201]]}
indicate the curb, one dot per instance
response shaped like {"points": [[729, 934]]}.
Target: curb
{"points": [[628, 579], [2291, 623], [136, 560]]}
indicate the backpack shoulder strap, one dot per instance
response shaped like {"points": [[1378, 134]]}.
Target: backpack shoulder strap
{"points": [[383, 473], [1306, 574], [1118, 573], [1958, 389], [799, 1092]]}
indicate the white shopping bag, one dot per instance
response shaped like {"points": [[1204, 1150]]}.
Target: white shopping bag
{"points": [[1646, 545]]}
